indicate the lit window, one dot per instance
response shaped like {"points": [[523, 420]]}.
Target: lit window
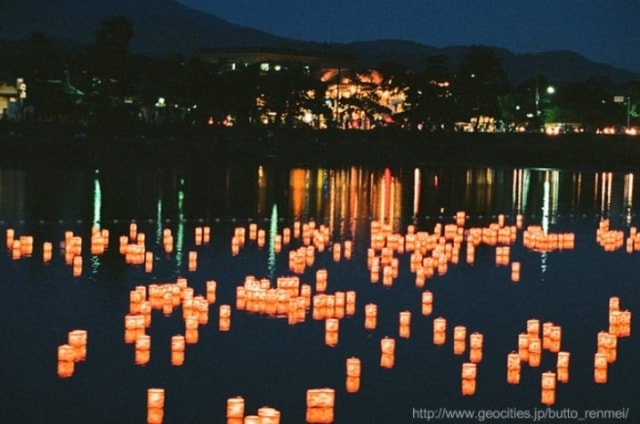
{"points": [[264, 67]]}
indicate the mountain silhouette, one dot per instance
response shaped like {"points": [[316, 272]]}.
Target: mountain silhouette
{"points": [[165, 27]]}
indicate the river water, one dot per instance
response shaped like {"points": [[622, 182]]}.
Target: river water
{"points": [[270, 362]]}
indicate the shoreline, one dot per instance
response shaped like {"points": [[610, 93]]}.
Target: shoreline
{"points": [[74, 145]]}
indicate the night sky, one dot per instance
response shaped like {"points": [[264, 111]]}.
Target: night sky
{"points": [[606, 31]]}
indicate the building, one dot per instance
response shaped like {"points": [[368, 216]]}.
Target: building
{"points": [[275, 59]]}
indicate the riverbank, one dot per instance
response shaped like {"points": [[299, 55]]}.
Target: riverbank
{"points": [[74, 145]]}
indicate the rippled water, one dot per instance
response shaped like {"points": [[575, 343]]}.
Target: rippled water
{"points": [[266, 360]]}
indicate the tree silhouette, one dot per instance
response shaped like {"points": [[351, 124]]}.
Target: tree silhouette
{"points": [[478, 84]]}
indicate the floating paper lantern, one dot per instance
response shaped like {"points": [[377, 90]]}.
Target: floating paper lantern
{"points": [[555, 338], [562, 367], [459, 339], [224, 323], [321, 280], [77, 266], [235, 410], [268, 415], [608, 345], [133, 327], [476, 341], [78, 340], [331, 327], [10, 235], [513, 368], [515, 271], [143, 349], [534, 352], [405, 324], [523, 347], [548, 391], [193, 261], [468, 380], [177, 350], [533, 328], [546, 335], [600, 364], [370, 316], [261, 239], [439, 331], [66, 360], [348, 249], [350, 302], [320, 406], [427, 303], [354, 367], [155, 406], [211, 287], [624, 324], [387, 357], [47, 251]]}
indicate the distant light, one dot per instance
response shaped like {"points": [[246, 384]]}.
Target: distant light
{"points": [[551, 89]]}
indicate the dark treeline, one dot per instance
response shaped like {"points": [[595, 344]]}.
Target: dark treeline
{"points": [[103, 83]]}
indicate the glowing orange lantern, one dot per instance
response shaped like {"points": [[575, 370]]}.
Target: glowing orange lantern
{"points": [[47, 251], [66, 360], [321, 280], [155, 406], [143, 349], [555, 338], [600, 365], [459, 339], [320, 406], [548, 395], [353, 375], [562, 366], [331, 328], [224, 323], [427, 303], [513, 368], [535, 352], [469, 373], [235, 410], [515, 271], [387, 347], [350, 302], [370, 316], [78, 340], [439, 331], [177, 350], [268, 415], [475, 347]]}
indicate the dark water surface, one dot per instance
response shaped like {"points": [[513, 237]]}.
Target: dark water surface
{"points": [[266, 360]]}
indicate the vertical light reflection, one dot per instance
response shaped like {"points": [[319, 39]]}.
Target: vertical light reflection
{"points": [[97, 200], [354, 199], [605, 190], [97, 217], [628, 197], [546, 206], [180, 228], [333, 197], [273, 232], [159, 220], [554, 194], [297, 184], [262, 190], [417, 182]]}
